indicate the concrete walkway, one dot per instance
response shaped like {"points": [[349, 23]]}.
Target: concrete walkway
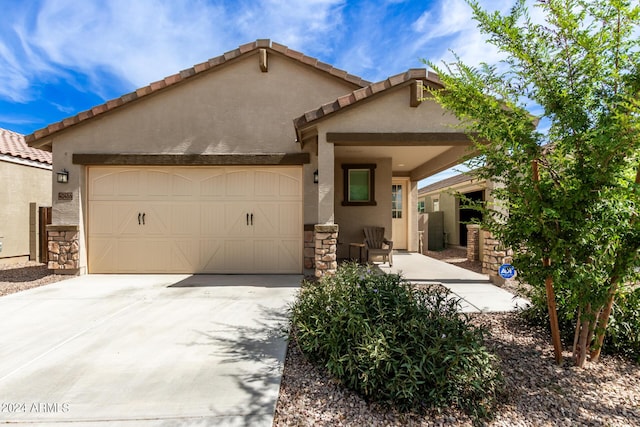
{"points": [[477, 294], [145, 350]]}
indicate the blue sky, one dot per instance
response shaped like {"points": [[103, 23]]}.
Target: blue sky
{"points": [[60, 57]]}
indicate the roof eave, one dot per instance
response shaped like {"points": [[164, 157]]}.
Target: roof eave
{"points": [[184, 75]]}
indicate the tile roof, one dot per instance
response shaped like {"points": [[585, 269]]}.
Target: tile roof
{"points": [[448, 182], [362, 94], [13, 144], [191, 72]]}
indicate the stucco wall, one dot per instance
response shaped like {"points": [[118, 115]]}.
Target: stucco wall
{"points": [[21, 185], [352, 219], [392, 113], [232, 109], [450, 205], [235, 108]]}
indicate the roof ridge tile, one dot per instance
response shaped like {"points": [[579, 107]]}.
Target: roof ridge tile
{"points": [[191, 72]]}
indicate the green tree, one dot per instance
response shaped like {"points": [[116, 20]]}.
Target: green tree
{"points": [[569, 196]]}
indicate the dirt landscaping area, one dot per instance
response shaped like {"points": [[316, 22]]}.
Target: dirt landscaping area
{"points": [[19, 277]]}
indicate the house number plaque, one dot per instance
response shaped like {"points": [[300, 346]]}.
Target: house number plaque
{"points": [[65, 196]]}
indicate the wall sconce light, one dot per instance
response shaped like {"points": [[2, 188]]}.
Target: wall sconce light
{"points": [[63, 176], [315, 177]]}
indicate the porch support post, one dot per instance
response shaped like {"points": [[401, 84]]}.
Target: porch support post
{"points": [[326, 163], [326, 242]]}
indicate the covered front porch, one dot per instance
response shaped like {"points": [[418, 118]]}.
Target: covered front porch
{"points": [[369, 150]]}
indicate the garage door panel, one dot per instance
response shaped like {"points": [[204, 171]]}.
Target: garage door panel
{"points": [[239, 185], [157, 256], [103, 254], [212, 222], [130, 256], [184, 187], [238, 255], [211, 256], [196, 219], [128, 219], [157, 219], [266, 221], [289, 220], [185, 219], [289, 255], [116, 184], [102, 220], [277, 185], [158, 185], [184, 255], [214, 186], [237, 220]]}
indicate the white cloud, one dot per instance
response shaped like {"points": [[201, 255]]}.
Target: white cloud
{"points": [[448, 26], [300, 24], [141, 41]]}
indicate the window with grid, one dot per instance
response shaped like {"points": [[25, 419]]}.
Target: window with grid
{"points": [[396, 201]]}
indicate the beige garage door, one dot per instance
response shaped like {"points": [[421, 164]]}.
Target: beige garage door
{"points": [[195, 220]]}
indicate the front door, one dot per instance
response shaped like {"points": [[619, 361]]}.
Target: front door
{"points": [[399, 213]]}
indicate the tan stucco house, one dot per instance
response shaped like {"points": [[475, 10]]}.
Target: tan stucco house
{"points": [[25, 174], [443, 196], [261, 160]]}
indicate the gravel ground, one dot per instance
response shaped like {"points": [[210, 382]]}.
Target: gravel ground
{"points": [[19, 277], [537, 391]]}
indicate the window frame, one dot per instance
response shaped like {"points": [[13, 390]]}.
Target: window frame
{"points": [[346, 168]]}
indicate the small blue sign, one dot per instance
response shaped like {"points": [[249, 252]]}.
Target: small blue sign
{"points": [[507, 271]]}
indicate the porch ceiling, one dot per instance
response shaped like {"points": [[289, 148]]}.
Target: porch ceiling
{"points": [[417, 156], [404, 159]]}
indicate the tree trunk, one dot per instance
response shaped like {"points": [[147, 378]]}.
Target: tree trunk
{"points": [[603, 318], [576, 334], [580, 354], [603, 322], [553, 315], [551, 294]]}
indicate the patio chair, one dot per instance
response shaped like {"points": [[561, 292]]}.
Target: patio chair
{"points": [[376, 244]]}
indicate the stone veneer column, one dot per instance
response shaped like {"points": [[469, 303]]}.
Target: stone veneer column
{"points": [[495, 254], [309, 247], [326, 242], [473, 242], [63, 245]]}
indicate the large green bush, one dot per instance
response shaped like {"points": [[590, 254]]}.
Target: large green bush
{"points": [[395, 344], [623, 333]]}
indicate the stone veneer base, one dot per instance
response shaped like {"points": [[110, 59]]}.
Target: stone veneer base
{"points": [[63, 244]]}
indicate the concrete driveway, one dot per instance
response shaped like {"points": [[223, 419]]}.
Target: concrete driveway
{"points": [[140, 350]]}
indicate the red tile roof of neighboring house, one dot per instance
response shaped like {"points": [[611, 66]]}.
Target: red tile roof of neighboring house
{"points": [[191, 72], [13, 144], [367, 92]]}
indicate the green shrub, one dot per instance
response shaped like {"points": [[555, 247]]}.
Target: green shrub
{"points": [[623, 333], [395, 344]]}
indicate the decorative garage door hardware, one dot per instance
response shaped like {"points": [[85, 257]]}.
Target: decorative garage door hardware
{"points": [[249, 216], [141, 215]]}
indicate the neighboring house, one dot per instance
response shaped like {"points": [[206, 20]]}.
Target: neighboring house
{"points": [[25, 174], [442, 196], [252, 162]]}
